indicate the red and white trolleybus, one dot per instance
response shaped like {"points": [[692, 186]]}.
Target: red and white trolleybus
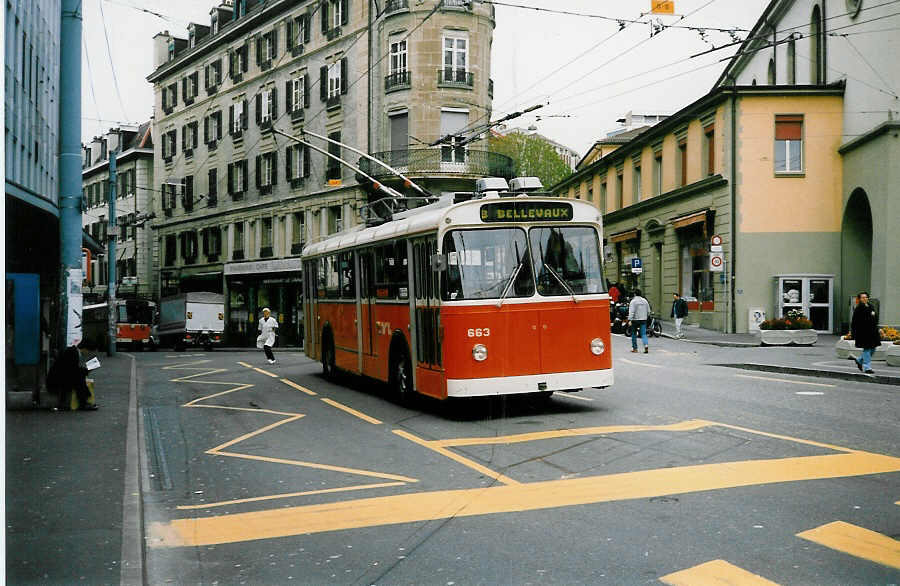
{"points": [[490, 296]]}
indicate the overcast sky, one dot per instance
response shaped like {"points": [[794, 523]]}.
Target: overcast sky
{"points": [[588, 70]]}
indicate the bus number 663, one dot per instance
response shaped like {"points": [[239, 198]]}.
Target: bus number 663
{"points": [[479, 332]]}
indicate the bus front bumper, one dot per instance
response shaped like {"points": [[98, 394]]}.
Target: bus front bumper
{"points": [[533, 383]]}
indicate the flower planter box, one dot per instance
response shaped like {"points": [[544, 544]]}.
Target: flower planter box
{"points": [[787, 337], [892, 355], [881, 351], [847, 349]]}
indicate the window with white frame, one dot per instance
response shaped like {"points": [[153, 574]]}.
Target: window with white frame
{"points": [[456, 52], [298, 231], [789, 143], [238, 122], [295, 162], [267, 104], [334, 79], [452, 124], [334, 11], [398, 56], [297, 97], [266, 169]]}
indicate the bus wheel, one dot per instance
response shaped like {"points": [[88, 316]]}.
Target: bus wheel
{"points": [[328, 367], [401, 378]]}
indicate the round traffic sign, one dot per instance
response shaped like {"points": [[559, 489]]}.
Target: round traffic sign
{"points": [[716, 240], [716, 261]]}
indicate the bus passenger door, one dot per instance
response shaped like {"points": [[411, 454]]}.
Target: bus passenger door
{"points": [[367, 300], [311, 332], [429, 377]]}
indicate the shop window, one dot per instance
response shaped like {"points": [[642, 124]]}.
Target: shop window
{"points": [[695, 278]]}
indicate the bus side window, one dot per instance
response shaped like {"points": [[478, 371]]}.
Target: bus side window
{"points": [[400, 277], [332, 277], [348, 280]]}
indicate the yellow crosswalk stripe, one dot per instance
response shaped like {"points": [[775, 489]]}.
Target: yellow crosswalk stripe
{"points": [[856, 541], [714, 573]]}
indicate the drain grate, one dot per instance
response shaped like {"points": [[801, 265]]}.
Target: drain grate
{"points": [[156, 453]]}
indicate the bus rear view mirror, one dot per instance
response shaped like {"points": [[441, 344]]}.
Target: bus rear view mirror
{"points": [[438, 262]]}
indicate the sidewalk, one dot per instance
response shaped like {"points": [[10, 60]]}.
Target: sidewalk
{"points": [[818, 360], [66, 488]]}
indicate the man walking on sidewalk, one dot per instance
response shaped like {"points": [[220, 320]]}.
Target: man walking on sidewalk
{"points": [[679, 312], [864, 329], [638, 314]]}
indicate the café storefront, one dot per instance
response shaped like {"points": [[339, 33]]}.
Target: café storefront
{"points": [[251, 286]]}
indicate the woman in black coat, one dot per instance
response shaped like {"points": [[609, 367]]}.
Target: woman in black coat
{"points": [[864, 329]]}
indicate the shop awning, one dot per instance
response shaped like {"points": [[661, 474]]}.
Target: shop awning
{"points": [[690, 219], [625, 236]]}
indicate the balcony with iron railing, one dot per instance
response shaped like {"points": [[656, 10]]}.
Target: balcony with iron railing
{"points": [[440, 160], [460, 78], [399, 80], [392, 6], [457, 4]]}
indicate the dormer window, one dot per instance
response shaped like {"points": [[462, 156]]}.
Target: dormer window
{"points": [[214, 22]]}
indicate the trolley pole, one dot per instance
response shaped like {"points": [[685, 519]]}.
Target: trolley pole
{"points": [[111, 235]]}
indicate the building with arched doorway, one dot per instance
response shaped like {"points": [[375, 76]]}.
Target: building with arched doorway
{"points": [[789, 161]]}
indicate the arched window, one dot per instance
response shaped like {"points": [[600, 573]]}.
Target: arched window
{"points": [[791, 62], [770, 78], [817, 48]]}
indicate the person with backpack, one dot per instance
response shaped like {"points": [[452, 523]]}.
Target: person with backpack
{"points": [[679, 312]]}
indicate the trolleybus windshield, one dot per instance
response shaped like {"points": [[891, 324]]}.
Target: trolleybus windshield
{"points": [[501, 263]]}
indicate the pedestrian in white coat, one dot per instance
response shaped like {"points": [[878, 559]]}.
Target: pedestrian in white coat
{"points": [[268, 327]]}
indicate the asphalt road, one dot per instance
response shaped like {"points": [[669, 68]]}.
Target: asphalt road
{"points": [[680, 473]]}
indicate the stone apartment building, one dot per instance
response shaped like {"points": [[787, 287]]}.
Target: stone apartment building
{"points": [[237, 202], [134, 200]]}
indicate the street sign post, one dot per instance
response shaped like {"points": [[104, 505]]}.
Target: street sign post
{"points": [[717, 262]]}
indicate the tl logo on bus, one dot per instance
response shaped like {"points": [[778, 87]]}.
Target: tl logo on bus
{"points": [[526, 211]]}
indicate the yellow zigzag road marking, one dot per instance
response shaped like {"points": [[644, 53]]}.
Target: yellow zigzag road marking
{"points": [[288, 418], [716, 572]]}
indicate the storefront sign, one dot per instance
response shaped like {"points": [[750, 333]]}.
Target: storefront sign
{"points": [[526, 211], [263, 266]]}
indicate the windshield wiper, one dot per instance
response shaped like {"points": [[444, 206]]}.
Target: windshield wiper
{"points": [[561, 282], [512, 278]]}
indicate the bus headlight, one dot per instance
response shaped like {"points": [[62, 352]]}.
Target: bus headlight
{"points": [[597, 346], [479, 352]]}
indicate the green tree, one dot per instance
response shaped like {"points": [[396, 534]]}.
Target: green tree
{"points": [[532, 157]]}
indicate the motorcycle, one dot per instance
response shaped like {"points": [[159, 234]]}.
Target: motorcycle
{"points": [[618, 317]]}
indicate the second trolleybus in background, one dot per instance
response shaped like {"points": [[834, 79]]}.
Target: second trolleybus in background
{"points": [[491, 296]]}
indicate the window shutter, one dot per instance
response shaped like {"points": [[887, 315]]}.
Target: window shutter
{"points": [[195, 132], [345, 10], [245, 57], [288, 163], [184, 87], [324, 11], [258, 50], [230, 178], [274, 158], [258, 109], [244, 116], [218, 116], [206, 76], [231, 119], [306, 91], [343, 75], [174, 94], [305, 161], [206, 130], [323, 83], [306, 31], [274, 113], [288, 35], [288, 96], [788, 127], [274, 43], [196, 77], [183, 137], [258, 170], [230, 56], [246, 179]]}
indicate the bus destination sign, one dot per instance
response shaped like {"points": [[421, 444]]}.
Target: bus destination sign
{"points": [[526, 211]]}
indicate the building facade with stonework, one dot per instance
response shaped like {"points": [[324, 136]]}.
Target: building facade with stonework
{"points": [[786, 161], [237, 201], [133, 148]]}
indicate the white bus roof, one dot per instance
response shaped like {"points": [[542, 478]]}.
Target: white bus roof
{"points": [[446, 217]]}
